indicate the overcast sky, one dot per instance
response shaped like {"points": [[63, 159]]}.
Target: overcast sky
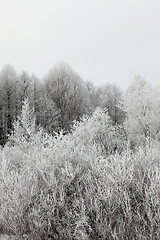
{"points": [[102, 40]]}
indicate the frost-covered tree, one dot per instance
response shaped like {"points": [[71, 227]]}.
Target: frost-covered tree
{"points": [[68, 93], [93, 96], [26, 133], [49, 114], [8, 100], [37, 98], [109, 96], [24, 128], [97, 130], [24, 85], [142, 106]]}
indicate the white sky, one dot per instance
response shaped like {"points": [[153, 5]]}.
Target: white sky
{"points": [[103, 40]]}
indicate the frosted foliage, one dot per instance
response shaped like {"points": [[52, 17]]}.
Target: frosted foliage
{"points": [[8, 75], [24, 126], [98, 130], [142, 105], [109, 97], [85, 183], [68, 92], [67, 189]]}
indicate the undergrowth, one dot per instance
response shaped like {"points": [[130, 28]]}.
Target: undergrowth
{"points": [[72, 187], [117, 197]]}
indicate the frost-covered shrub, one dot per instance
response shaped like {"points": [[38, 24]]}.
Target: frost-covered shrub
{"points": [[98, 131], [70, 187], [54, 195], [38, 191]]}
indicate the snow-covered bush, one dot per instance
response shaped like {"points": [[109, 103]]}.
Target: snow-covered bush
{"points": [[76, 186], [97, 198], [98, 131]]}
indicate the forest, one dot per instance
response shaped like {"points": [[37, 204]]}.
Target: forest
{"points": [[78, 161]]}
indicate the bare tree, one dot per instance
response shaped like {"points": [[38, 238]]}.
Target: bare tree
{"points": [[8, 103], [68, 92], [109, 97]]}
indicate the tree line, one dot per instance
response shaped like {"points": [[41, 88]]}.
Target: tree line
{"points": [[59, 99], [62, 97]]}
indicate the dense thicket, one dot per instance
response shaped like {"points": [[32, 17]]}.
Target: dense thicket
{"points": [[86, 184], [79, 162]]}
